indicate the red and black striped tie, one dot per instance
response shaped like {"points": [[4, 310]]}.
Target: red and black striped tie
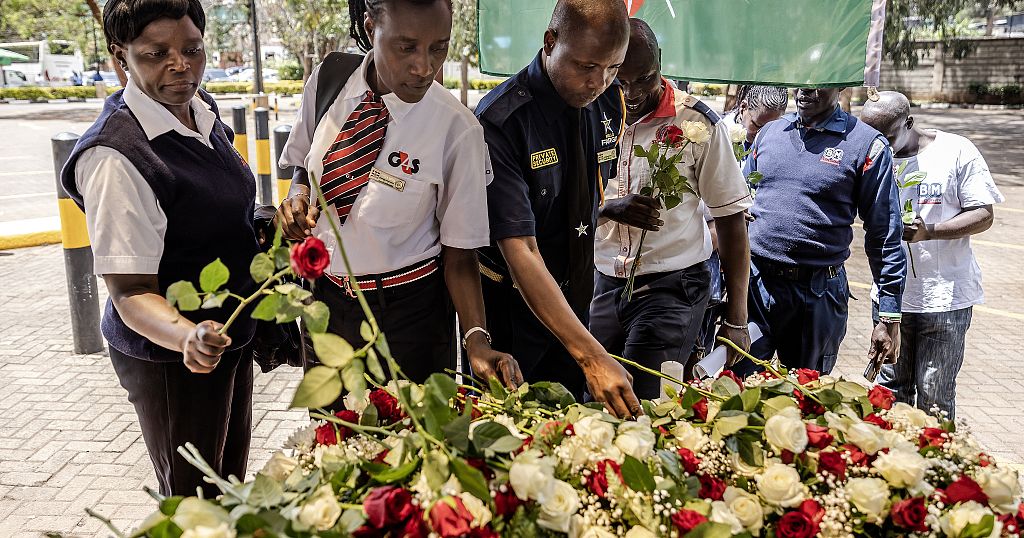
{"points": [[350, 158]]}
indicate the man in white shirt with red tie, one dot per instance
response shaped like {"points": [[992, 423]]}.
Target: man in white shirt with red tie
{"points": [[661, 321]]}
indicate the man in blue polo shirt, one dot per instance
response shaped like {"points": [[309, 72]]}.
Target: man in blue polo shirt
{"points": [[821, 168], [552, 132]]}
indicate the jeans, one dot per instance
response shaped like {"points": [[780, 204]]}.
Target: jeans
{"points": [[931, 354]]}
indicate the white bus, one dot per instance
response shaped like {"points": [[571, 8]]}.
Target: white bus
{"points": [[50, 62]]}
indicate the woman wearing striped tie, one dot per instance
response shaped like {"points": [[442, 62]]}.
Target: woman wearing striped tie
{"points": [[404, 169]]}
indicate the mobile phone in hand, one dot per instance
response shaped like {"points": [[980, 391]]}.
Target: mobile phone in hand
{"points": [[874, 367]]}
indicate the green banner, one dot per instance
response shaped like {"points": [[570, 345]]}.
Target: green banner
{"points": [[780, 42]]}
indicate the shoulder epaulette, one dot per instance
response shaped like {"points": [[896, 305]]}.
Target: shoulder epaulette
{"points": [[705, 110], [508, 97]]}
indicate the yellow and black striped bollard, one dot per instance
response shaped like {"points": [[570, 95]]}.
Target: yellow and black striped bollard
{"points": [[284, 175], [241, 138], [266, 187]]}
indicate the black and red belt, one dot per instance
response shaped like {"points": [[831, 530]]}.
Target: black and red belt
{"points": [[381, 281]]}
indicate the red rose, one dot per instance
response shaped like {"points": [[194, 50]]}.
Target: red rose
{"points": [[344, 432], [881, 397], [857, 456], [450, 518], [796, 525], [326, 434], [806, 375], [812, 509], [700, 409], [505, 504], [732, 375], [484, 532], [597, 481], [711, 487], [807, 405], [910, 514], [818, 436], [833, 464], [388, 409], [689, 459], [878, 421], [309, 258], [388, 506], [687, 520], [932, 437], [787, 457], [669, 135], [415, 526], [965, 489]]}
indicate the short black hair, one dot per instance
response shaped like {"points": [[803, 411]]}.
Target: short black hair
{"points": [[640, 31], [125, 20], [357, 10], [607, 16]]}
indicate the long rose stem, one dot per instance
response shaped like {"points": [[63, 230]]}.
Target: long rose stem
{"points": [[245, 302], [628, 292]]}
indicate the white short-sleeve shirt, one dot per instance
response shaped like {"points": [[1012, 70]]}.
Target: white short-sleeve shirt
{"points": [[713, 172], [125, 221], [434, 149]]}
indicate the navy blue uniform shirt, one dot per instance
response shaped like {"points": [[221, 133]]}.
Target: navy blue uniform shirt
{"points": [[816, 181], [526, 128]]}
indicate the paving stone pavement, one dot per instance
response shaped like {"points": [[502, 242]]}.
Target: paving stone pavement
{"points": [[69, 438]]}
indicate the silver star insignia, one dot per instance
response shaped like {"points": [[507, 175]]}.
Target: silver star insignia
{"points": [[582, 229]]}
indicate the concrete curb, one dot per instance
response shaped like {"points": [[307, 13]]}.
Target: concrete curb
{"points": [[33, 239]]}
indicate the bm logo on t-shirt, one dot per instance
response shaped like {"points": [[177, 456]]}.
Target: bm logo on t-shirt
{"points": [[832, 156], [401, 158]]}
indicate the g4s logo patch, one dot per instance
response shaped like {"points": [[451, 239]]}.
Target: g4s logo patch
{"points": [[402, 159]]}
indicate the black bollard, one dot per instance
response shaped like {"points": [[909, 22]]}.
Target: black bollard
{"points": [[241, 138], [83, 295], [284, 175], [266, 187]]}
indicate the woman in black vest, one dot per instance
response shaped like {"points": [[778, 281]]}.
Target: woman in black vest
{"points": [[403, 167], [164, 194]]}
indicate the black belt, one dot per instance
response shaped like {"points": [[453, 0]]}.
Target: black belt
{"points": [[801, 273]]}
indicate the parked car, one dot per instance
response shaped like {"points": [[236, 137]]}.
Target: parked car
{"points": [[248, 74], [215, 75], [109, 77], [233, 70], [15, 78]]}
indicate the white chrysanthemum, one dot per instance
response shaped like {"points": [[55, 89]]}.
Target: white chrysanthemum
{"points": [[303, 439]]}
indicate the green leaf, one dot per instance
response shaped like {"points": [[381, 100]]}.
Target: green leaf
{"points": [[773, 406], [829, 398], [169, 505], [725, 386], [851, 390], [981, 529], [733, 404], [750, 453], [373, 364], [369, 416], [472, 480], [670, 462], [332, 350], [444, 385], [183, 295], [754, 177], [751, 397], [505, 445], [320, 387], [266, 309], [637, 475], [266, 492], [396, 474], [456, 432], [365, 331], [729, 424], [164, 529], [213, 276], [486, 433], [639, 151], [288, 311], [215, 300], [315, 317], [710, 529], [352, 375], [281, 258], [672, 201], [435, 469]]}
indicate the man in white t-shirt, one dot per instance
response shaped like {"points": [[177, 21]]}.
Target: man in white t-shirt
{"points": [[953, 201]]}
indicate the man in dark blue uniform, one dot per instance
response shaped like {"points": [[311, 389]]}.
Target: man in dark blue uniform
{"points": [[821, 168], [552, 132]]}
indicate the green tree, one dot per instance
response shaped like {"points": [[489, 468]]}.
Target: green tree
{"points": [[463, 46], [308, 29], [989, 9], [909, 21]]}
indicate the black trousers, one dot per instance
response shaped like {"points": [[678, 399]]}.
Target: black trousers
{"points": [[660, 323], [517, 331], [417, 319], [175, 406]]}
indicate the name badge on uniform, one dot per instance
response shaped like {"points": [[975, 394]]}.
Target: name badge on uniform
{"points": [[387, 179], [543, 158], [606, 155]]}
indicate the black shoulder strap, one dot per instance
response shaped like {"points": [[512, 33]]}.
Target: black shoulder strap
{"points": [[335, 71]]}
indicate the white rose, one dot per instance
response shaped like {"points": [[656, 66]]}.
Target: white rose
{"points": [[695, 132], [737, 133], [321, 510], [720, 513], [481, 514], [917, 417], [780, 485], [867, 437], [531, 475], [902, 468], [741, 467], [746, 507], [786, 432], [279, 466], [194, 512], [956, 520], [870, 496], [357, 401], [689, 436], [640, 532], [557, 506], [1002, 487], [596, 532], [636, 438], [596, 431], [220, 531]]}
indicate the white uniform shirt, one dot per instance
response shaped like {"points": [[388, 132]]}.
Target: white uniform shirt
{"points": [[685, 239], [436, 147], [125, 221], [957, 177]]}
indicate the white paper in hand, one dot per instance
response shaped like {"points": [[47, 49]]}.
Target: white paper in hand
{"points": [[713, 363]]}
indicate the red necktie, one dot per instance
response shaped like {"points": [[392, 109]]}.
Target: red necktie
{"points": [[350, 158]]}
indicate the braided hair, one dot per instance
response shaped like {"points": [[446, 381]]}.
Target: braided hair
{"points": [[358, 9], [761, 98]]}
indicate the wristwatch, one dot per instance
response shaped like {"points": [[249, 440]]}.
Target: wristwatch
{"points": [[478, 329]]}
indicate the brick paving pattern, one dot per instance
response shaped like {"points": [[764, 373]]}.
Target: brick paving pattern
{"points": [[69, 438]]}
